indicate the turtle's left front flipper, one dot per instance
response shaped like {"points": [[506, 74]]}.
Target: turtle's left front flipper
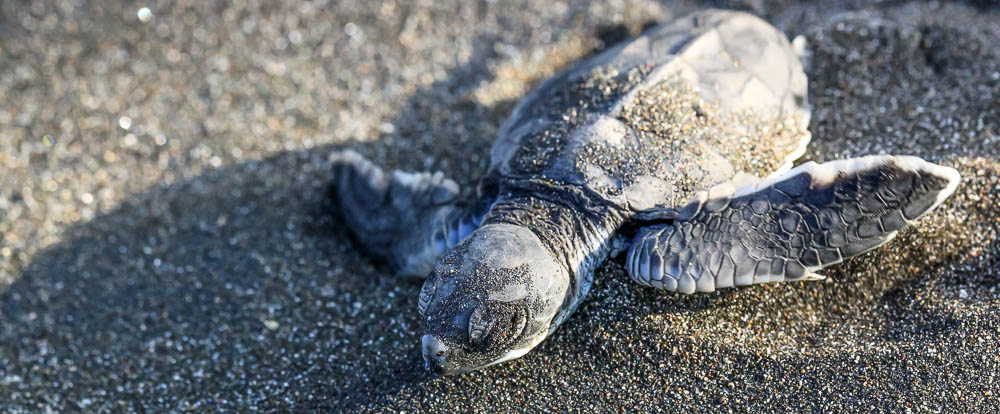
{"points": [[788, 227], [408, 219]]}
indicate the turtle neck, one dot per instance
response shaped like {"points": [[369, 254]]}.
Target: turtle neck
{"points": [[574, 225]]}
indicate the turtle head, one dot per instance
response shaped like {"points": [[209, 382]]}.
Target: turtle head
{"points": [[490, 299]]}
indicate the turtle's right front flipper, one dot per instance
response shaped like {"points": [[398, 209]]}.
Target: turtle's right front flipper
{"points": [[408, 219], [788, 227]]}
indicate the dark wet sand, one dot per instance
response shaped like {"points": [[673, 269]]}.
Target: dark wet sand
{"points": [[168, 247]]}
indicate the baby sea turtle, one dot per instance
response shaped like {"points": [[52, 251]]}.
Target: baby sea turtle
{"points": [[651, 148]]}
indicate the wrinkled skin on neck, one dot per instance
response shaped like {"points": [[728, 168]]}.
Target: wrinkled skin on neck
{"points": [[490, 299]]}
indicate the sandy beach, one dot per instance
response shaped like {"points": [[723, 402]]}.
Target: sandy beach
{"points": [[167, 242]]}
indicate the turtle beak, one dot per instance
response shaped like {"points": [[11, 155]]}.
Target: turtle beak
{"points": [[436, 354]]}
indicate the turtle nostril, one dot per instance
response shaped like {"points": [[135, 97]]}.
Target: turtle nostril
{"points": [[434, 348], [438, 355]]}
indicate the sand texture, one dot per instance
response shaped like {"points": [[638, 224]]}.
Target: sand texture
{"points": [[166, 242]]}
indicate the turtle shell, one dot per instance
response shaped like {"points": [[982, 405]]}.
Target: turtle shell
{"points": [[680, 108]]}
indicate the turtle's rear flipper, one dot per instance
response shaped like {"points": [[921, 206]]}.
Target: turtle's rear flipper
{"points": [[408, 219], [790, 226]]}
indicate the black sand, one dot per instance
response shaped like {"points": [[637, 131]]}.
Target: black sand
{"points": [[166, 245]]}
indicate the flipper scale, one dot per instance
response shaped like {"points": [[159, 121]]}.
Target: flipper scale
{"points": [[791, 226]]}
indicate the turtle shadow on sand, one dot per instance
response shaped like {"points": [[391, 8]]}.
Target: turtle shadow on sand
{"points": [[237, 277]]}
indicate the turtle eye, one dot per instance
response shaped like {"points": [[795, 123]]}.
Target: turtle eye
{"points": [[426, 294], [479, 326]]}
